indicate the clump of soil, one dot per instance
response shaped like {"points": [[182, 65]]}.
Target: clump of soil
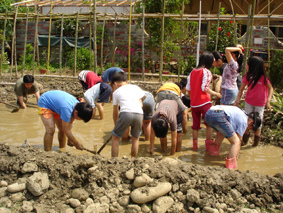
{"points": [[97, 184]]}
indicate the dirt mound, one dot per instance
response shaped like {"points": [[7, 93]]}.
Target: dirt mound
{"points": [[96, 184]]}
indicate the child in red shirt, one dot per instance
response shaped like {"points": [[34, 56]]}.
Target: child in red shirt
{"points": [[199, 91]]}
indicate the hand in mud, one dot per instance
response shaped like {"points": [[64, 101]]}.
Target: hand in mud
{"points": [[70, 143], [79, 146]]}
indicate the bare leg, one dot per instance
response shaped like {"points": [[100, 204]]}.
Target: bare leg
{"points": [[125, 137], [135, 147], [163, 142], [115, 146], [61, 135], [195, 134], [49, 125], [179, 142], [146, 126], [235, 146], [208, 133]]}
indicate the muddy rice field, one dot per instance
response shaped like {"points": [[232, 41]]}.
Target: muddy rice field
{"points": [[32, 180]]}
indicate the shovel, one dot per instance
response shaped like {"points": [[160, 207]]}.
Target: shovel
{"points": [[14, 110], [101, 148]]}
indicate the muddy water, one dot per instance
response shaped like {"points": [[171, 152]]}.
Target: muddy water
{"points": [[26, 124]]}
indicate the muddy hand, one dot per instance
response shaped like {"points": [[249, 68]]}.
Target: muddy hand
{"points": [[79, 146]]}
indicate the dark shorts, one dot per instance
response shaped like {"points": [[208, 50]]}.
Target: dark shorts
{"points": [[128, 119]]}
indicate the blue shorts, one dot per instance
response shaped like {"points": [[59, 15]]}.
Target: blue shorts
{"points": [[220, 122], [229, 96]]}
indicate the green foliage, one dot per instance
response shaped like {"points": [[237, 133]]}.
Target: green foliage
{"points": [[28, 57], [5, 6], [83, 59], [153, 25], [226, 35], [276, 71], [277, 105], [69, 27]]}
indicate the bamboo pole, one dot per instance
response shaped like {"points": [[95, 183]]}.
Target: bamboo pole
{"points": [[143, 23], [252, 28], [76, 45], [234, 20], [25, 43], [13, 50], [3, 42], [218, 23], [49, 34], [94, 36], [61, 44], [268, 35], [247, 40], [129, 43], [162, 41], [114, 41], [199, 30], [101, 45], [35, 42], [180, 39], [90, 39]]}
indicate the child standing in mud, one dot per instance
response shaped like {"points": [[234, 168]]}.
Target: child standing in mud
{"points": [[129, 98], [199, 91], [88, 79], [258, 95]]}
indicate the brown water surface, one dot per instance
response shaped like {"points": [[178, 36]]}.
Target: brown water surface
{"points": [[26, 124]]}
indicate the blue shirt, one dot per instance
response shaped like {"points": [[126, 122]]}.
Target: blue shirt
{"points": [[106, 76], [60, 102]]}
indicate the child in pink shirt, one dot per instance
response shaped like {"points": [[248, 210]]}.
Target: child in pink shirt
{"points": [[199, 92], [258, 95]]}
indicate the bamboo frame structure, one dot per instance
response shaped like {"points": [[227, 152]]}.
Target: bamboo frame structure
{"points": [[97, 16]]}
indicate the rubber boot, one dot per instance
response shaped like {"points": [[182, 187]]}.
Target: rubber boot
{"points": [[207, 144], [214, 149], [245, 139], [195, 144], [256, 140], [231, 163]]}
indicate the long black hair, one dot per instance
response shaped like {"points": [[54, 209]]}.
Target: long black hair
{"points": [[240, 59], [256, 70], [206, 60]]}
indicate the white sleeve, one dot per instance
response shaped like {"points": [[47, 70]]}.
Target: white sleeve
{"points": [[188, 86]]}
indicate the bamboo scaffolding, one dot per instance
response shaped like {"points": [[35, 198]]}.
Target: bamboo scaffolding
{"points": [[162, 41], [246, 54], [61, 45], [268, 35], [143, 28], [49, 34], [35, 42], [25, 44], [180, 38], [13, 48], [90, 39], [101, 46], [114, 42], [94, 36], [129, 43], [3, 42], [76, 45]]}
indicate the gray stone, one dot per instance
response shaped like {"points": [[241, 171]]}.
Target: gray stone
{"points": [[124, 201], [130, 174], [145, 194], [15, 187], [89, 201], [207, 209], [133, 209], [27, 206], [97, 208], [193, 196], [80, 194], [3, 183], [74, 202], [170, 162], [38, 183], [104, 199], [4, 210], [29, 167], [142, 180], [162, 204], [116, 208], [145, 208], [16, 197], [69, 210], [3, 192], [235, 194], [246, 210], [5, 201]]}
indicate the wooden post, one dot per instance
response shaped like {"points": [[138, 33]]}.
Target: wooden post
{"points": [[252, 28], [76, 44], [143, 23], [61, 44], [102, 43], [25, 43], [49, 34], [90, 38], [218, 23], [247, 40], [94, 36], [114, 41], [234, 20], [35, 42], [162, 41], [13, 48], [129, 42], [3, 42], [180, 39]]}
